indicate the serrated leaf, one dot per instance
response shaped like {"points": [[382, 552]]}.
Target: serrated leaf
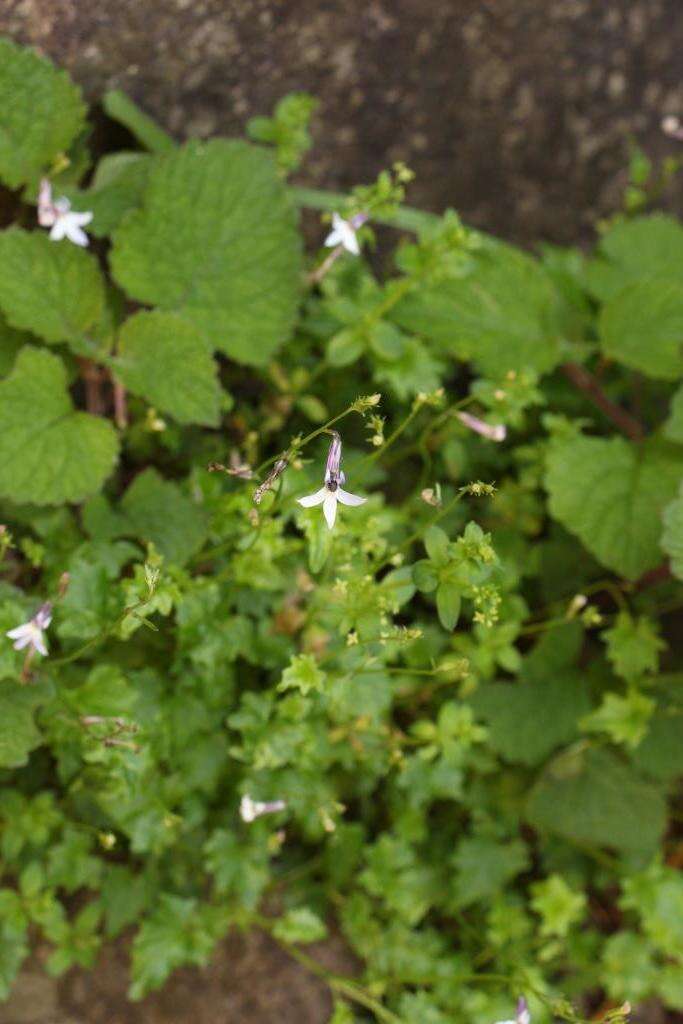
{"points": [[642, 327], [41, 113], [49, 453], [18, 731], [53, 289], [167, 360], [672, 537], [117, 188], [216, 240], [503, 315], [158, 511], [593, 797], [661, 752], [633, 645], [300, 924], [610, 494], [484, 866], [651, 246]]}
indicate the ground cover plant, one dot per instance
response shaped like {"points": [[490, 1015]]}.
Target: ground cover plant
{"points": [[340, 582]]}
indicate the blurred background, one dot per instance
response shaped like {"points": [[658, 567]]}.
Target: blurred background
{"points": [[515, 112], [518, 113]]}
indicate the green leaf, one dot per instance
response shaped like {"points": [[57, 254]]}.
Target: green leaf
{"points": [[300, 925], [559, 906], [158, 511], [484, 867], [216, 240], [642, 327], [661, 752], [53, 289], [49, 453], [10, 343], [41, 113], [303, 675], [611, 493], [672, 537], [117, 188], [503, 316], [624, 719], [657, 897], [592, 797], [18, 731], [167, 360], [448, 601], [673, 428], [633, 645], [644, 246]]}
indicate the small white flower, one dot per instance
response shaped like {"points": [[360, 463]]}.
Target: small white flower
{"points": [[250, 809], [494, 432], [31, 633], [343, 233], [522, 1016], [58, 215], [671, 126], [332, 492]]}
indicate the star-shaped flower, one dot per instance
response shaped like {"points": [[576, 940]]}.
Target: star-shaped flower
{"points": [[250, 809], [31, 633], [332, 492], [58, 215], [522, 1015], [343, 233]]}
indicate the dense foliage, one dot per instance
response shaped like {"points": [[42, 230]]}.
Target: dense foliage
{"points": [[462, 698]]}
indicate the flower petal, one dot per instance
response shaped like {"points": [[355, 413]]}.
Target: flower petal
{"points": [[330, 507], [349, 240], [59, 229], [73, 232], [313, 499], [39, 644], [18, 631], [334, 238], [22, 642], [349, 499]]}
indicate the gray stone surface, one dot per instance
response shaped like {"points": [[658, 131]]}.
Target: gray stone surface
{"points": [[516, 112]]}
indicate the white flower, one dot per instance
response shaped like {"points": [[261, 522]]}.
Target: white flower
{"points": [[671, 126], [332, 492], [58, 215], [343, 233], [30, 634], [494, 432], [522, 1016], [250, 809]]}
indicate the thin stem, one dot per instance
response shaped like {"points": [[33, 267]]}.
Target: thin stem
{"points": [[589, 385], [122, 109], [95, 640], [120, 404], [417, 535], [316, 276], [92, 377]]}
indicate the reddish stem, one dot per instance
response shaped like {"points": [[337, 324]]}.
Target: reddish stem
{"points": [[588, 384], [120, 404], [92, 377]]}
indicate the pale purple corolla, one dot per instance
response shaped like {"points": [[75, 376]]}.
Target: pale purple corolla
{"points": [[250, 809], [522, 1016], [58, 215], [494, 432], [671, 126], [31, 634], [343, 232], [332, 491]]}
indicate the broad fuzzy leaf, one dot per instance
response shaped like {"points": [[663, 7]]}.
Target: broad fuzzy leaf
{"points": [[216, 240], [673, 428], [645, 246], [166, 360], [611, 493], [53, 289], [503, 316], [642, 327], [593, 797], [41, 112], [158, 511], [49, 453]]}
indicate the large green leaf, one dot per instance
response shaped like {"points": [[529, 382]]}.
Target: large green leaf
{"points": [[49, 453], [41, 112], [18, 731], [216, 239], [158, 511], [591, 796], [167, 360], [660, 753], [673, 428], [53, 289], [642, 327], [611, 493], [633, 249], [503, 316], [672, 537]]}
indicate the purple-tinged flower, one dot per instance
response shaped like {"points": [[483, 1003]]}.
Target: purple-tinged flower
{"points": [[31, 634], [522, 1015], [494, 432], [671, 126], [58, 215], [343, 232], [250, 809], [332, 492]]}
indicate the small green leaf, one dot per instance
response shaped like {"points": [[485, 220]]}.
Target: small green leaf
{"points": [[672, 537], [633, 646], [167, 360], [624, 719], [303, 675], [49, 453], [18, 731], [436, 543], [484, 866], [216, 240], [345, 348], [448, 601], [611, 494], [41, 113], [642, 327], [158, 511], [300, 925], [650, 245], [559, 906], [53, 289]]}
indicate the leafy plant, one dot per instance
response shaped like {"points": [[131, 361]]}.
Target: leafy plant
{"points": [[449, 726]]}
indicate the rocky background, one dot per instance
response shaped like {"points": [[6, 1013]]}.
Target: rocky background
{"points": [[515, 112]]}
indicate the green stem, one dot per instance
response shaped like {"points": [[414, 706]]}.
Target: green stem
{"points": [[122, 109], [95, 640], [406, 218], [417, 535]]}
